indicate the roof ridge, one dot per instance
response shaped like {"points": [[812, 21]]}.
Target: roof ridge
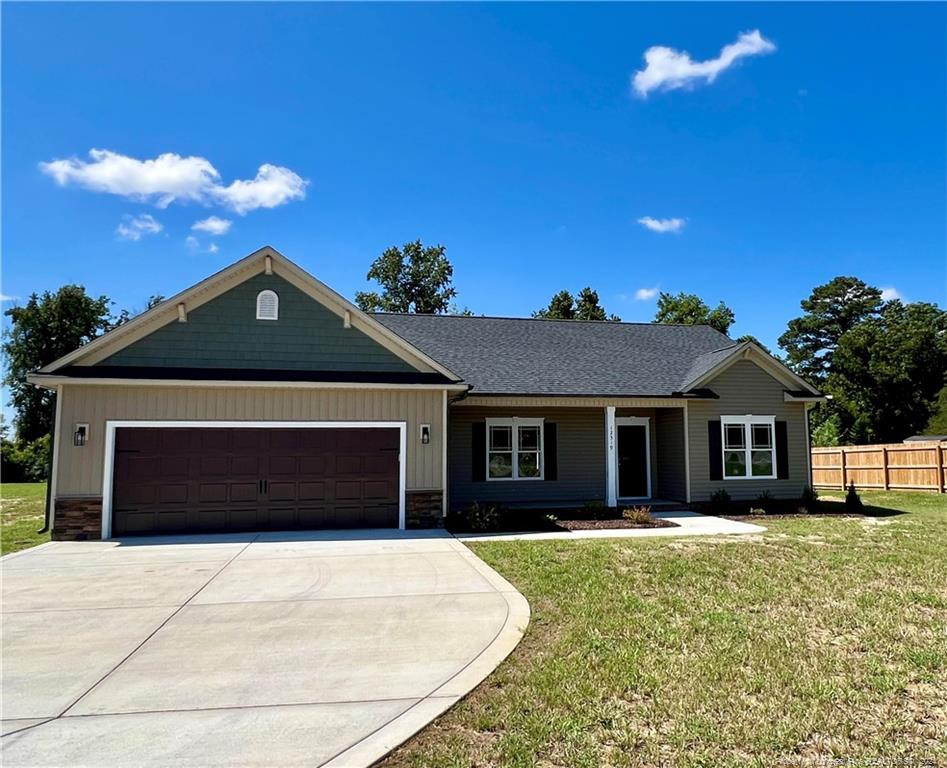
{"points": [[548, 320]]}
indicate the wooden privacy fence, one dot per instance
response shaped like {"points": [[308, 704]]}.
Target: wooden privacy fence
{"points": [[896, 466]]}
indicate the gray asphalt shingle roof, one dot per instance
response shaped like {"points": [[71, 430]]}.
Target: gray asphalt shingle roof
{"points": [[563, 357]]}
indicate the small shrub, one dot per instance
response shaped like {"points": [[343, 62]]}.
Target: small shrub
{"points": [[637, 515], [853, 503], [720, 501], [763, 504], [809, 500], [480, 517]]}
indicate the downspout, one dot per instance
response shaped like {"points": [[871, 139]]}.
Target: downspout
{"points": [[51, 465]]}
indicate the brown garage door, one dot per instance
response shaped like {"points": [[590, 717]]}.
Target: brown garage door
{"points": [[221, 479]]}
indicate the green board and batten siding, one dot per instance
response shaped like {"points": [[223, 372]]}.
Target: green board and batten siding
{"points": [[224, 333]]}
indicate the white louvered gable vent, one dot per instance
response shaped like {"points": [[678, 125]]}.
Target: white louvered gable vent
{"points": [[267, 305]]}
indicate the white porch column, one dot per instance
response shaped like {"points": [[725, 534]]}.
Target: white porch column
{"points": [[611, 486]]}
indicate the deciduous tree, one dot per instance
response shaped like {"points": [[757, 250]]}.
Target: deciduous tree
{"points": [[413, 278], [42, 330], [690, 309]]}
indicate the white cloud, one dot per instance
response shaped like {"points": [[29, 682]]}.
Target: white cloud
{"points": [[6, 297], [213, 248], [667, 69], [890, 294], [272, 186], [213, 224], [134, 227], [661, 225], [644, 294], [192, 242], [170, 177]]}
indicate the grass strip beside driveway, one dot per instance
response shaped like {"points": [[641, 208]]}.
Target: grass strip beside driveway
{"points": [[823, 638], [22, 513]]}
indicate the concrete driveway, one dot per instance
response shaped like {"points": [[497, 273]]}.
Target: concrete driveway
{"points": [[272, 649]]}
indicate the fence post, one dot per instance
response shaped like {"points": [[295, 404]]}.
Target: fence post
{"points": [[842, 458], [941, 475], [884, 461]]}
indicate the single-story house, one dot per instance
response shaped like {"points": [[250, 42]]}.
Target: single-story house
{"points": [[260, 398]]}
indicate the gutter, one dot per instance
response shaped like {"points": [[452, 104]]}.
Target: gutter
{"points": [[51, 381]]}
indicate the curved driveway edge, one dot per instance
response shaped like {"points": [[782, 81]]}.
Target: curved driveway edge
{"points": [[243, 651], [394, 733]]}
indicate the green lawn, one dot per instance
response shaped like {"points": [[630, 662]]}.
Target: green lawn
{"points": [[21, 515], [824, 638]]}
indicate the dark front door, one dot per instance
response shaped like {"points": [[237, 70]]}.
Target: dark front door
{"points": [[221, 479], [632, 450]]}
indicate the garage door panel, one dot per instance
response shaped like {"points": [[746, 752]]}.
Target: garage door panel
{"points": [[312, 465], [348, 464], [375, 516], [172, 494], [244, 491], [212, 493], [168, 522], [214, 466], [348, 489], [281, 491], [210, 519], [209, 479], [175, 467], [376, 489], [312, 491], [249, 466], [285, 517], [282, 465]]}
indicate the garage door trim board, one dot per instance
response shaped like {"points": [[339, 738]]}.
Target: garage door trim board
{"points": [[112, 425]]}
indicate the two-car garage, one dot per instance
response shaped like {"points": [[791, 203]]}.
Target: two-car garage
{"points": [[179, 478]]}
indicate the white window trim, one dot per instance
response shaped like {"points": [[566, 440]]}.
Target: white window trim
{"points": [[111, 426], [514, 423], [747, 423], [275, 296]]}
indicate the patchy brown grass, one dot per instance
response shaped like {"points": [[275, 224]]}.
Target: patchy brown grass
{"points": [[824, 639], [22, 513]]}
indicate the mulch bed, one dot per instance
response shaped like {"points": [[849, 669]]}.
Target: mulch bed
{"points": [[595, 525]]}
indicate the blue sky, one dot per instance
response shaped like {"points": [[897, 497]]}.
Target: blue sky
{"points": [[512, 134]]}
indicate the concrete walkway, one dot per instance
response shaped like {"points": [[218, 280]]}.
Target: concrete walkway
{"points": [[308, 649], [687, 524]]}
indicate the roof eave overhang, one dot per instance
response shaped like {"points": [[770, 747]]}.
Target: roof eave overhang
{"points": [[52, 381]]}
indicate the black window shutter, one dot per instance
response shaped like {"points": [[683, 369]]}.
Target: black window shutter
{"points": [[715, 447], [478, 451], [782, 451], [550, 446]]}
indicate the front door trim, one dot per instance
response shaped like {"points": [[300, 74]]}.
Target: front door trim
{"points": [[111, 426], [641, 421]]}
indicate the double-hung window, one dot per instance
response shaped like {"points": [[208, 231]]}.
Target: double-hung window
{"points": [[749, 447], [514, 449]]}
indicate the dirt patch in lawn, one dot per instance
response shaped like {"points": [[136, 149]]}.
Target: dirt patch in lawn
{"points": [[595, 525]]}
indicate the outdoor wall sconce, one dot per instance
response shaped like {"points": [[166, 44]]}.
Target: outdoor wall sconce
{"points": [[80, 435], [425, 434]]}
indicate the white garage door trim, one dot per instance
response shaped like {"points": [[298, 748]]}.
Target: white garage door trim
{"points": [[111, 426]]}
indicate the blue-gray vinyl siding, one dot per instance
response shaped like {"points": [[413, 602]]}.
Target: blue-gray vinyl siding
{"points": [[581, 459], [224, 333], [669, 444], [745, 388]]}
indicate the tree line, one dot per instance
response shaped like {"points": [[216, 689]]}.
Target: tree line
{"points": [[884, 363]]}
